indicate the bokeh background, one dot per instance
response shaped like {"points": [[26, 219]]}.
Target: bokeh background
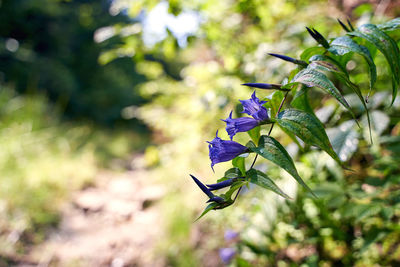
{"points": [[105, 107]]}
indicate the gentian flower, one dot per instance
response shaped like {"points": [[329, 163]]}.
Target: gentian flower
{"points": [[213, 198], [254, 107], [242, 124], [226, 254], [223, 150]]}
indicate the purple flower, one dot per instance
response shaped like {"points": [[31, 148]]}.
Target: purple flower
{"points": [[254, 107], [226, 254], [230, 235], [223, 150], [243, 124]]}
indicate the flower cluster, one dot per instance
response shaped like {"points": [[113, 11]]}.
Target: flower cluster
{"points": [[253, 107], [225, 150]]}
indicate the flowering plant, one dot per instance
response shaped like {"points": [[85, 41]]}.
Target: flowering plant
{"points": [[315, 69]]}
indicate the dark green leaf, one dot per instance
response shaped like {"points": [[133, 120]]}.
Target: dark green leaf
{"points": [[344, 44], [308, 128], [314, 78], [387, 46], [261, 179], [272, 150]]}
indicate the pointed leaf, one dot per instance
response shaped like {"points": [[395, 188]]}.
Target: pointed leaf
{"points": [[262, 180], [210, 207], [344, 44], [272, 150], [387, 46], [314, 78], [308, 128], [326, 66]]}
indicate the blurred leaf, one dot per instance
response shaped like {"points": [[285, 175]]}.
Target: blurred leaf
{"points": [[344, 139], [308, 128], [380, 121], [261, 179], [272, 150]]}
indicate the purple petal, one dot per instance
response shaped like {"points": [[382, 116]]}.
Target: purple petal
{"points": [[254, 107], [223, 150], [226, 254], [243, 124]]}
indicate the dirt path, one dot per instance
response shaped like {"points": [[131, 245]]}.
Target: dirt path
{"points": [[113, 223]]}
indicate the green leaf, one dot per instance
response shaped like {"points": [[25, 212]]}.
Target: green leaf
{"points": [[239, 162], [309, 52], [210, 207], [255, 133], [343, 77], [314, 78], [344, 140], [272, 150], [261, 179], [235, 186], [232, 173], [300, 100], [344, 45], [308, 128], [389, 26], [274, 102], [387, 46]]}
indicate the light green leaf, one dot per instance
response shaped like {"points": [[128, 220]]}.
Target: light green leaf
{"points": [[274, 102], [254, 133], [344, 140], [272, 150], [344, 45], [309, 52], [210, 207], [308, 128], [239, 162], [387, 46], [261, 179]]}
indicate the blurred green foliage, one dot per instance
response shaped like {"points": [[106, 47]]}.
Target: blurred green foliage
{"points": [[40, 164], [50, 46]]}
